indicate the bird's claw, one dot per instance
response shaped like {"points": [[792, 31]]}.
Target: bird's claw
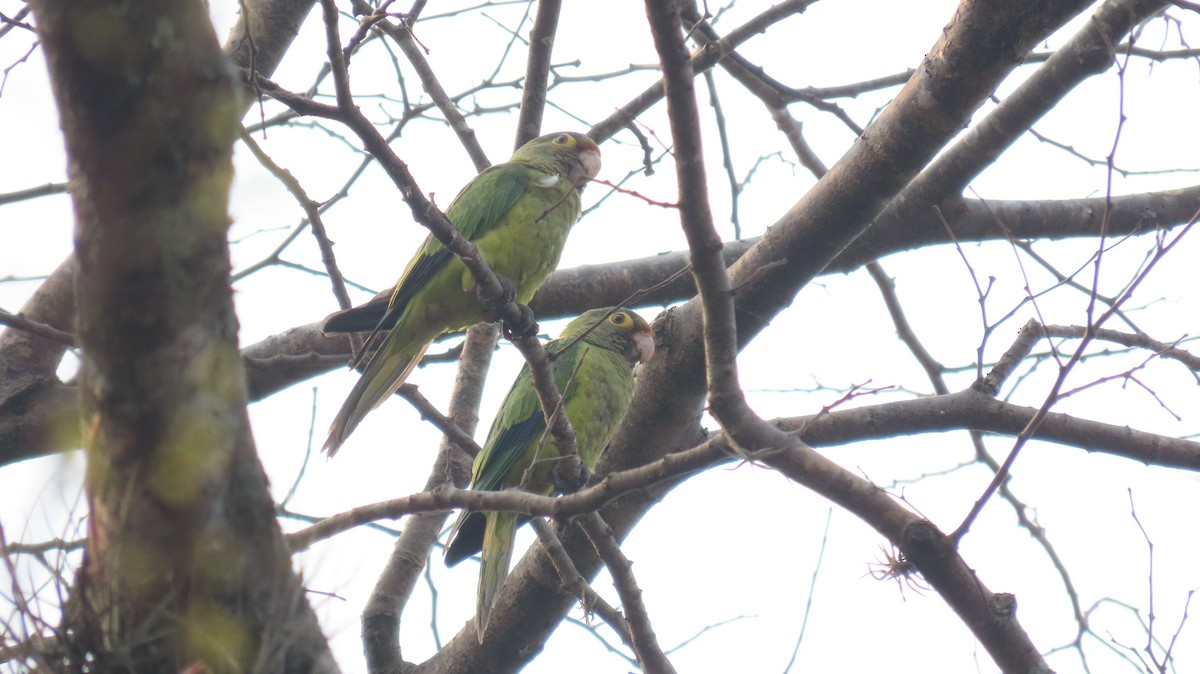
{"points": [[492, 309], [525, 326], [564, 484]]}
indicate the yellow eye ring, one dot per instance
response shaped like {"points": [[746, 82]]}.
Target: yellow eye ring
{"points": [[562, 139], [618, 318]]}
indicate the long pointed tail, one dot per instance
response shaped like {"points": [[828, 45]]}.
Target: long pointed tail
{"points": [[497, 555], [385, 372]]}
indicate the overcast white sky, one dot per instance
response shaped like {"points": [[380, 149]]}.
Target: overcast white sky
{"points": [[738, 543]]}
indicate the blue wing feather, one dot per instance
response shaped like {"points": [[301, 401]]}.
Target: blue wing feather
{"points": [[522, 423], [508, 448]]}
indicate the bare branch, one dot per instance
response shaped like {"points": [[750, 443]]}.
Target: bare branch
{"points": [[645, 643], [575, 583], [33, 193], [402, 34], [537, 70], [1064, 370], [710, 55], [19, 322], [313, 213]]}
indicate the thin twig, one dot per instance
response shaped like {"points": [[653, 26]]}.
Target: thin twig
{"points": [[1055, 388], [812, 591], [443, 423], [573, 582], [311, 210], [33, 193], [645, 643], [19, 322], [703, 60], [402, 35]]}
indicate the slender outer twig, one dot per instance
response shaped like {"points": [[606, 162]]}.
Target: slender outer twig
{"points": [[33, 193], [402, 35], [575, 583], [19, 322], [1056, 387], [311, 210], [703, 60], [645, 643]]}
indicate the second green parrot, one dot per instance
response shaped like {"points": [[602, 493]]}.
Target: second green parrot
{"points": [[518, 215], [595, 377]]}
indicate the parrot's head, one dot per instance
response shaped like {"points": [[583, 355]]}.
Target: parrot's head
{"points": [[616, 329], [572, 155]]}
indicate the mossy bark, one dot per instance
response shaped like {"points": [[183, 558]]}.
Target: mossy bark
{"points": [[185, 565]]}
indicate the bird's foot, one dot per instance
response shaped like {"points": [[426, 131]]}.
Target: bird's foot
{"points": [[525, 326], [492, 308], [565, 482]]}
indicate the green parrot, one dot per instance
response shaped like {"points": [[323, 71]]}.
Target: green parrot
{"points": [[595, 377], [518, 214]]}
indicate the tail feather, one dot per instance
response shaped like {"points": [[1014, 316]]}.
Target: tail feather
{"points": [[466, 536], [497, 555], [385, 372], [363, 318]]}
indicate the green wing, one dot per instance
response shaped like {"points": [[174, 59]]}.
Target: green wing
{"points": [[484, 202], [520, 423], [477, 210]]}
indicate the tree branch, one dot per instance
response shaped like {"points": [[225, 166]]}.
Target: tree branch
{"points": [[537, 70], [575, 583], [650, 656], [985, 39], [402, 35], [297, 354], [969, 409], [381, 616], [705, 59]]}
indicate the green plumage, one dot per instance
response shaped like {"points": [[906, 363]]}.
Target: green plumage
{"points": [[595, 377], [518, 215]]}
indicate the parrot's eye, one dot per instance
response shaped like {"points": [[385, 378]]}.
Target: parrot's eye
{"points": [[562, 139], [618, 319]]}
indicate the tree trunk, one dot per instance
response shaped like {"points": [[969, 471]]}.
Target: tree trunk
{"points": [[185, 566]]}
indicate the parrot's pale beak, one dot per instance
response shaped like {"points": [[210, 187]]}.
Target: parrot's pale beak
{"points": [[589, 160], [644, 343]]}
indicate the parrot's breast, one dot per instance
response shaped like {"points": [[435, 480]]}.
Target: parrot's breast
{"points": [[597, 401], [527, 246]]}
